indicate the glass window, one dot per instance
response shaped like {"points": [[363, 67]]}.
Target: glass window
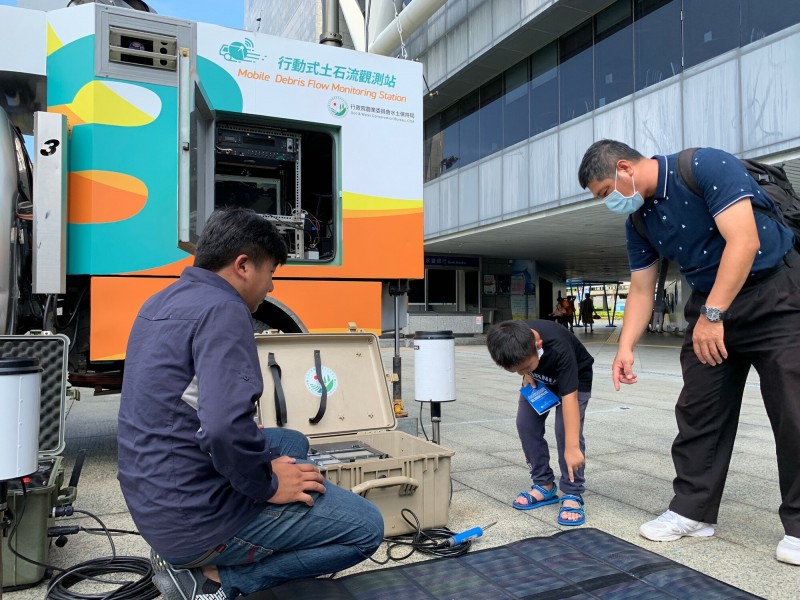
{"points": [[432, 157], [468, 130], [613, 53], [657, 40], [759, 21], [544, 89], [471, 288], [441, 286], [575, 72], [491, 117], [416, 291], [450, 142], [515, 104], [710, 28]]}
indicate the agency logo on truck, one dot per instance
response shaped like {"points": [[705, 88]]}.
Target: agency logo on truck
{"points": [[338, 106], [240, 51]]}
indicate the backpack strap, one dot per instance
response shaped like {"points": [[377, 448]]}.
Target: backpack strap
{"points": [[757, 171], [685, 171], [772, 174]]}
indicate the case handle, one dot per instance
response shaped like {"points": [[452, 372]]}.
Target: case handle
{"points": [[408, 485], [66, 495]]}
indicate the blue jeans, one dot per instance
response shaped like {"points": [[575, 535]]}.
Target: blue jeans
{"points": [[292, 541], [530, 426]]}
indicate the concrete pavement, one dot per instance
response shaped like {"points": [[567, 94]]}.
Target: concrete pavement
{"points": [[629, 470]]}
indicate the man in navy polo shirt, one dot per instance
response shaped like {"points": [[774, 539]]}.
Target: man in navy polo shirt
{"points": [[744, 311]]}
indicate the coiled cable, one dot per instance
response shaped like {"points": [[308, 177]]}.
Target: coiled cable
{"points": [[432, 541], [96, 570]]}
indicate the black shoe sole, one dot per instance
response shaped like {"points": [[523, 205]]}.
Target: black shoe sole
{"points": [[169, 589]]}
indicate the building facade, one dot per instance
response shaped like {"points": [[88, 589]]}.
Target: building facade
{"points": [[516, 90]]}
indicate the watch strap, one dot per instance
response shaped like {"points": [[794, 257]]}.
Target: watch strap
{"points": [[721, 314]]}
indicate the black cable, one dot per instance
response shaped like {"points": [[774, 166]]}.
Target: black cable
{"points": [[98, 530], [74, 312], [17, 520], [46, 310], [93, 570], [428, 541], [421, 424], [139, 589]]}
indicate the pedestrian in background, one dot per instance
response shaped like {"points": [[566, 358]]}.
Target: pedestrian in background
{"points": [[587, 312]]}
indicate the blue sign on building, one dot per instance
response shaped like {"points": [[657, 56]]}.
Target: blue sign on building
{"points": [[452, 261]]}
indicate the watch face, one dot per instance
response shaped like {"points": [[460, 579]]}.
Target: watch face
{"points": [[712, 313]]}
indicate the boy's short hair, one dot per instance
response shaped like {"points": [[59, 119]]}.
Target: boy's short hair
{"points": [[232, 231], [510, 343]]}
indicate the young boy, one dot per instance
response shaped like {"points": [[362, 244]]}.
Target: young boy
{"points": [[545, 353]]}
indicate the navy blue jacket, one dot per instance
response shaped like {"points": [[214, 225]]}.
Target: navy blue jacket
{"points": [[193, 466]]}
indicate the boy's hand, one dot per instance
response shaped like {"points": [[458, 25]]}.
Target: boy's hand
{"points": [[574, 459], [527, 379]]}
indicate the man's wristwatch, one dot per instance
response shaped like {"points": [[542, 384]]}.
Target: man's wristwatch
{"points": [[713, 314]]}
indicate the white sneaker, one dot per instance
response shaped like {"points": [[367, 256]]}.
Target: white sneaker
{"points": [[789, 550], [671, 526]]}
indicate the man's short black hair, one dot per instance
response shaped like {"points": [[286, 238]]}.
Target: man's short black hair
{"points": [[510, 343], [233, 231], [600, 160]]}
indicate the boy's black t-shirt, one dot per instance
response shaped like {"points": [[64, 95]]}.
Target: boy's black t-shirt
{"points": [[566, 365]]}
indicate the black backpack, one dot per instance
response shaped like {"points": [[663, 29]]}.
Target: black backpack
{"points": [[771, 178]]}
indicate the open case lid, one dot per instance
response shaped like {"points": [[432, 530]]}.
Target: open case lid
{"points": [[52, 350], [358, 398]]}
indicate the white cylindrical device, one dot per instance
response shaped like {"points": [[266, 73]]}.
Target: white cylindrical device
{"points": [[20, 392], [434, 366]]}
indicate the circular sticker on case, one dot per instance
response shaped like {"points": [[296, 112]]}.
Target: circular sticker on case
{"points": [[329, 380]]}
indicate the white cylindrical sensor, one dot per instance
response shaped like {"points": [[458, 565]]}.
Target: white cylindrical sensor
{"points": [[434, 366], [20, 393]]}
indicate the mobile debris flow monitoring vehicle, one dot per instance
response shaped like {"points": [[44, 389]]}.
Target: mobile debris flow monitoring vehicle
{"points": [[144, 124]]}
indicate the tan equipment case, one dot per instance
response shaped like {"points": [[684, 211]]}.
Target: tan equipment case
{"points": [[353, 442]]}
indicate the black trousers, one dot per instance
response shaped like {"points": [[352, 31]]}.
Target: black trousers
{"points": [[763, 331]]}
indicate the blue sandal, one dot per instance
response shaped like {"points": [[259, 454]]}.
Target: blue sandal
{"points": [[548, 497], [571, 509]]}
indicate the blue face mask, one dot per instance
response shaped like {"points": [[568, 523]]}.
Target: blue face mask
{"points": [[624, 205]]}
